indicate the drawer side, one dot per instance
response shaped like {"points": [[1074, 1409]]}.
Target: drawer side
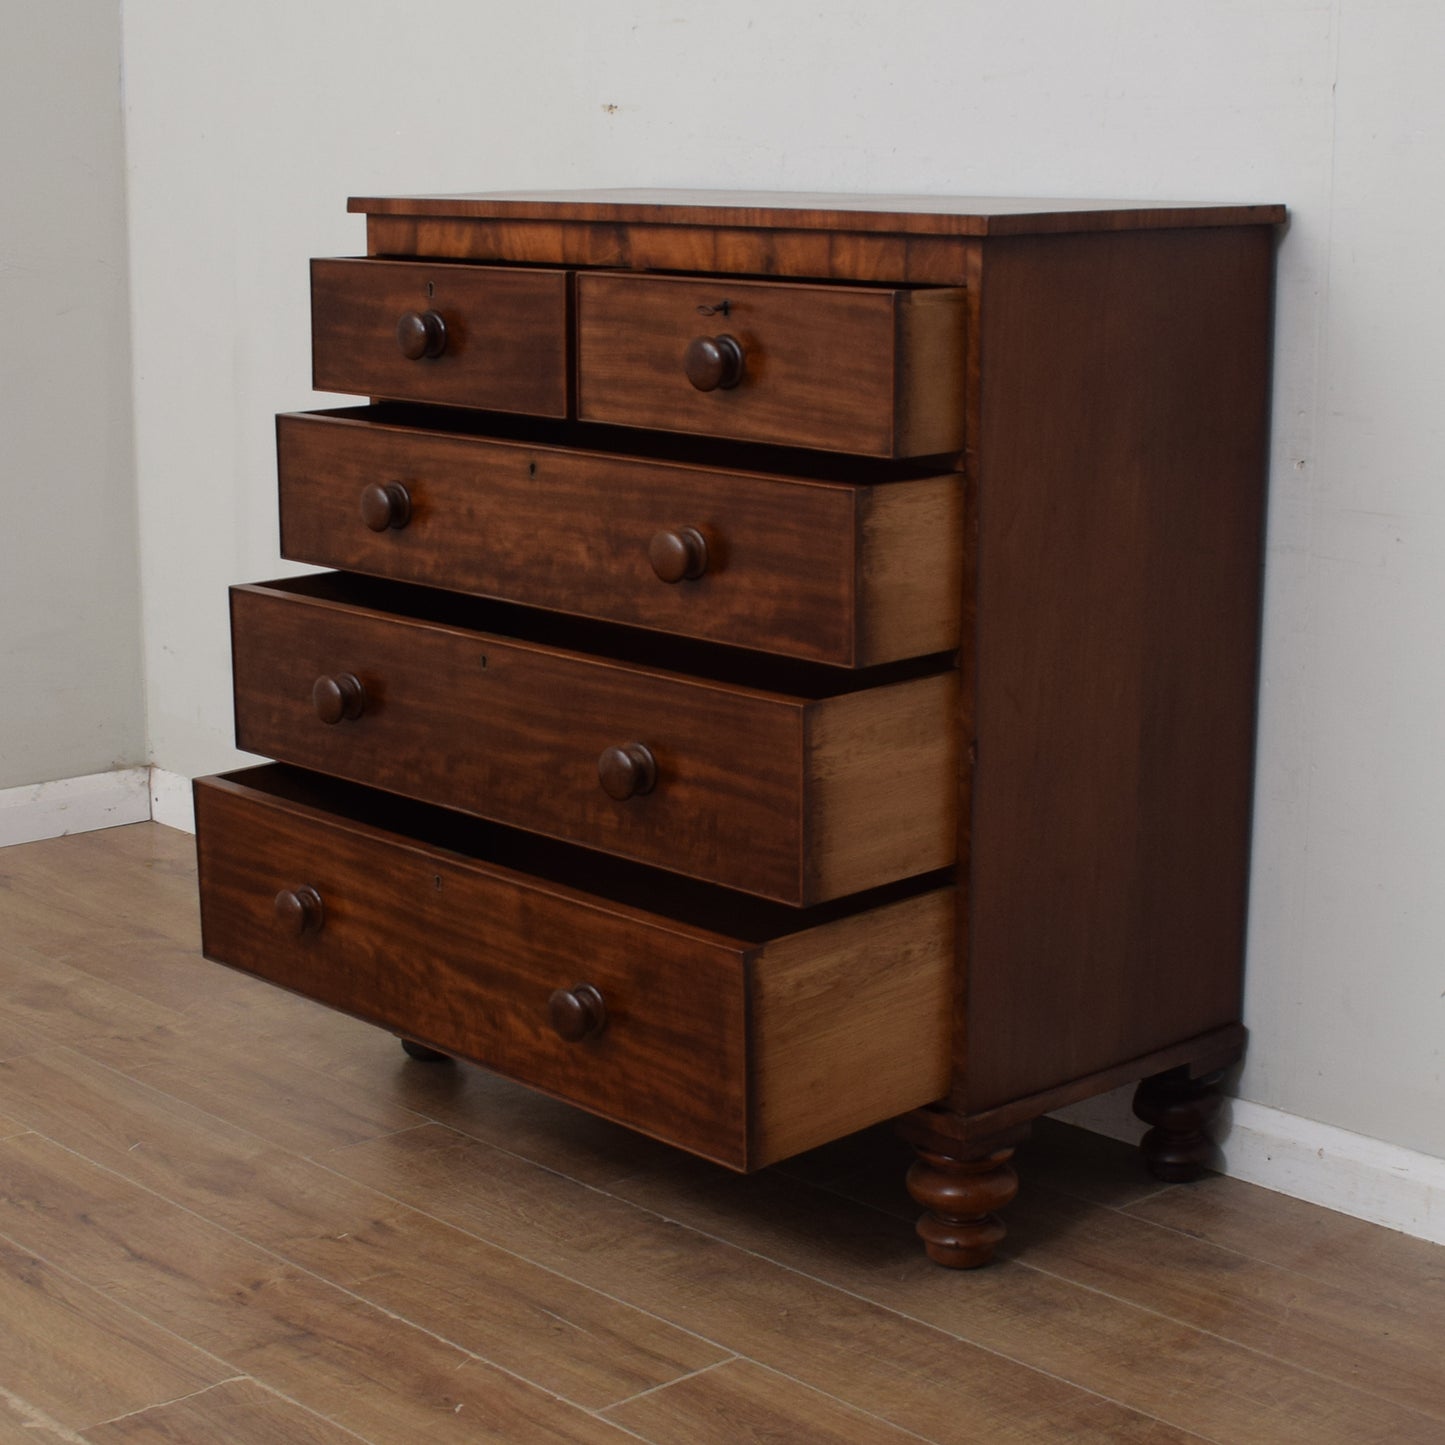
{"points": [[880, 804], [851, 1025]]}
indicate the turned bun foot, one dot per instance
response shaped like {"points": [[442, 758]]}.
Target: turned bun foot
{"points": [[423, 1053], [960, 1183], [1182, 1110], [960, 1229]]}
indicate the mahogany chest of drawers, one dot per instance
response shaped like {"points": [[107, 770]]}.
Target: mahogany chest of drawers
{"points": [[789, 663]]}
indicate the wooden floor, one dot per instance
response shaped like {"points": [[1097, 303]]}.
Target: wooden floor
{"points": [[229, 1216]]}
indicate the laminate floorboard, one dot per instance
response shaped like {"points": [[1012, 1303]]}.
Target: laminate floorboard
{"points": [[228, 1214], [238, 1412], [45, 1001], [741, 1403], [77, 1357], [1318, 1243]]}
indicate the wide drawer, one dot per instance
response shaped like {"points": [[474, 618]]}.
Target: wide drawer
{"points": [[803, 795], [489, 337], [745, 1041], [838, 572], [867, 370]]}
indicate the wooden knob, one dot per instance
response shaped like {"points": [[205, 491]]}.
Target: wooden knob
{"points": [[421, 333], [338, 698], [577, 1013], [678, 553], [627, 772], [385, 505], [299, 910], [714, 363]]}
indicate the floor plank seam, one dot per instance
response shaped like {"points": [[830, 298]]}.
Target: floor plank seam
{"points": [[1280, 1360], [1162, 1190], [220, 1125], [665, 1385], [310, 1410], [33, 1418], [621, 1429], [421, 1122], [527, 1259], [121, 1304], [165, 1404], [1315, 1278], [846, 1404]]}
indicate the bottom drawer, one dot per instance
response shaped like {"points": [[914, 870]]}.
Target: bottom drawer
{"points": [[741, 1030]]}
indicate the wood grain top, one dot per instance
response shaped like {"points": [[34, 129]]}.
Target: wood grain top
{"points": [[803, 210]]}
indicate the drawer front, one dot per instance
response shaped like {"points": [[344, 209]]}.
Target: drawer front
{"points": [[873, 372], [756, 791], [473, 336], [833, 572], [745, 1051], [437, 948]]}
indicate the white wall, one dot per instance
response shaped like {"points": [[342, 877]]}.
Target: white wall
{"points": [[249, 125], [71, 701]]}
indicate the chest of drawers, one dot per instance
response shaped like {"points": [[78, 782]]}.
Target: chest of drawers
{"points": [[789, 664]]}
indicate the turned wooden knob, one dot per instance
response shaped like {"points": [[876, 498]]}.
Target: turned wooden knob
{"points": [[627, 772], [421, 333], [714, 363], [299, 910], [338, 698], [678, 553], [577, 1013], [385, 505]]}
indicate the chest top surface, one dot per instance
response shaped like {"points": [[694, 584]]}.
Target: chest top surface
{"points": [[894, 214]]}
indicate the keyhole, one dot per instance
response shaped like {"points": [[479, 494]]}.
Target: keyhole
{"points": [[431, 290]]}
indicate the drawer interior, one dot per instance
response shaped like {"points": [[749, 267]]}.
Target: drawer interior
{"points": [[746, 920], [713, 662], [716, 453]]}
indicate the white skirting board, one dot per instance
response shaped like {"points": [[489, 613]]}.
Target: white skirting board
{"points": [[171, 802], [1351, 1173], [74, 805], [1362, 1177]]}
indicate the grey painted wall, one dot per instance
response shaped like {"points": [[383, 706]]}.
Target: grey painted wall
{"points": [[71, 694]]}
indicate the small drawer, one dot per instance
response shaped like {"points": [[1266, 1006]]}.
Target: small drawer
{"points": [[837, 572], [866, 370], [741, 1031], [840, 783], [488, 337]]}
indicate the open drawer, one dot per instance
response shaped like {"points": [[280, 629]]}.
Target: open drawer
{"points": [[790, 781], [741, 1030]]}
